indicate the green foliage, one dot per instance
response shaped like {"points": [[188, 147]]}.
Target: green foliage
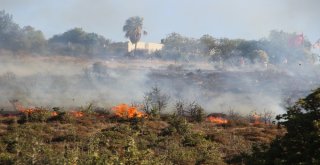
{"points": [[33, 40], [209, 44], [12, 37], [133, 29], [192, 111], [155, 102], [179, 47], [178, 125], [9, 32], [64, 117], [301, 143], [196, 112], [78, 42], [173, 141], [194, 150]]}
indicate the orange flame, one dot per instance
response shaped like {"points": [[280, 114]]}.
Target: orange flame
{"points": [[28, 111], [217, 120], [54, 113], [22, 109], [123, 110], [77, 114], [256, 119]]}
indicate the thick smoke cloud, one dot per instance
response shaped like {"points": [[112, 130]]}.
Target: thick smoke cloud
{"points": [[67, 82], [71, 82]]}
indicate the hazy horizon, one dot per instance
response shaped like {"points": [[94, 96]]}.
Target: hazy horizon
{"points": [[247, 19]]}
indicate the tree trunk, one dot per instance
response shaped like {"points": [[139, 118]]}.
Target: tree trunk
{"points": [[135, 48]]}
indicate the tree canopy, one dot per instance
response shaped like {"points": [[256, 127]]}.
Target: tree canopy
{"points": [[14, 38], [78, 41], [133, 29]]}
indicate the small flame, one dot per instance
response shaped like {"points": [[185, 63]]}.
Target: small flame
{"points": [[28, 111], [217, 120], [22, 109], [256, 119], [77, 114], [54, 113], [125, 111]]}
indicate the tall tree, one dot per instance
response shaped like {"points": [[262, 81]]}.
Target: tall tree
{"points": [[10, 32], [133, 30]]}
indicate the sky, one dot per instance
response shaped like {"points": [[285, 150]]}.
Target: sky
{"points": [[246, 19]]}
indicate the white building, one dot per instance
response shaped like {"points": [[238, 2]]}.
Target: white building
{"points": [[150, 47]]}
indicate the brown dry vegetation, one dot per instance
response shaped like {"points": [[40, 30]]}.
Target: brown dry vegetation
{"points": [[111, 140]]}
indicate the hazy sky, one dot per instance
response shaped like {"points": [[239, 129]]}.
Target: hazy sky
{"points": [[249, 19]]}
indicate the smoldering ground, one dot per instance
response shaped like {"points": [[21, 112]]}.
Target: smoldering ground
{"points": [[70, 82]]}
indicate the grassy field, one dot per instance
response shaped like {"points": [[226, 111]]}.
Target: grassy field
{"points": [[42, 136]]}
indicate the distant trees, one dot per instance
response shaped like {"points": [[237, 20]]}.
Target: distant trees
{"points": [[28, 39], [282, 46], [14, 38], [133, 29], [208, 44], [9, 32], [278, 48], [76, 41], [33, 40], [224, 49], [179, 47]]}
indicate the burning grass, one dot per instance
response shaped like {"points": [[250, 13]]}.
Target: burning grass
{"points": [[125, 111], [89, 138], [217, 120], [85, 135]]}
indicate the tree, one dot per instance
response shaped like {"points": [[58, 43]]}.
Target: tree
{"points": [[155, 101], [77, 41], [301, 143], [33, 40], [208, 43], [133, 30], [10, 33], [196, 112], [181, 47]]}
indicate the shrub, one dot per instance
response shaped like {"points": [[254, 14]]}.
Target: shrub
{"points": [[6, 158], [192, 140], [36, 115], [177, 124]]}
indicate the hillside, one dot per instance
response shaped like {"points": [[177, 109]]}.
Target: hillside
{"points": [[101, 137]]}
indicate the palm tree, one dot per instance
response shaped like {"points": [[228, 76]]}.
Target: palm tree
{"points": [[133, 30]]}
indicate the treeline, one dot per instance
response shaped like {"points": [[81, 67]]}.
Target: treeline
{"points": [[74, 42], [15, 38], [279, 47]]}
